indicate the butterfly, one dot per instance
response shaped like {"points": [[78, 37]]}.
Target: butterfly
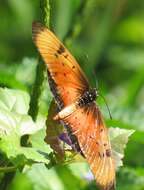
{"points": [[77, 108]]}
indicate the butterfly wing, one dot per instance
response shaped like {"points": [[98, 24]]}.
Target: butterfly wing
{"points": [[87, 125], [67, 80], [68, 83]]}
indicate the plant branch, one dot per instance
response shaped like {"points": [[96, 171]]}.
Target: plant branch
{"points": [[41, 68], [7, 169]]}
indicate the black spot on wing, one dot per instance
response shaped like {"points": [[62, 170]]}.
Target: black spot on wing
{"points": [[61, 50], [108, 153], [56, 55], [66, 56], [101, 130]]}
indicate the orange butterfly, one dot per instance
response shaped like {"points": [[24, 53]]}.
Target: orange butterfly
{"points": [[78, 110]]}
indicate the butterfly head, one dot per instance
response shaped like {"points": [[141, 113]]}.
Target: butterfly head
{"points": [[95, 92], [88, 97]]}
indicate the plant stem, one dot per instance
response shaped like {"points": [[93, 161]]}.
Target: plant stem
{"points": [[37, 90], [45, 12], [7, 179], [7, 169], [41, 68]]}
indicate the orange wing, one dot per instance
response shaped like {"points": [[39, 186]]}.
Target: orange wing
{"points": [[87, 126], [68, 83], [67, 80]]}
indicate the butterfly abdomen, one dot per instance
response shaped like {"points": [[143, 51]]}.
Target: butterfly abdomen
{"points": [[87, 98]]}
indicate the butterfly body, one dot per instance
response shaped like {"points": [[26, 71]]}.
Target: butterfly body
{"points": [[85, 100], [88, 97], [77, 108]]}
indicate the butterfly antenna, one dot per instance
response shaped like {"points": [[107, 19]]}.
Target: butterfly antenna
{"points": [[106, 105], [97, 87]]}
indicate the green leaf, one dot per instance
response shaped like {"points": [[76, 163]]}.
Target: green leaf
{"points": [[57, 178], [20, 181], [37, 141], [44, 179], [12, 128], [119, 139], [14, 123], [14, 100]]}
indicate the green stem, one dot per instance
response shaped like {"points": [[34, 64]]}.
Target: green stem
{"points": [[7, 179], [7, 169], [45, 12], [40, 70], [37, 90]]}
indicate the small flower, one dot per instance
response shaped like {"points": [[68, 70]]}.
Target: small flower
{"points": [[65, 138]]}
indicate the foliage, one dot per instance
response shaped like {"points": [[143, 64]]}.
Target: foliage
{"points": [[106, 38], [15, 124]]}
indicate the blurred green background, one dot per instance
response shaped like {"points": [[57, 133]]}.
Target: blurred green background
{"points": [[107, 39]]}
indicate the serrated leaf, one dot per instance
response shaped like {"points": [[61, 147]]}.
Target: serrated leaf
{"points": [[119, 139], [11, 133], [14, 123]]}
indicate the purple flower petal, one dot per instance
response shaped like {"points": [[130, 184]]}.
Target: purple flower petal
{"points": [[64, 137]]}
